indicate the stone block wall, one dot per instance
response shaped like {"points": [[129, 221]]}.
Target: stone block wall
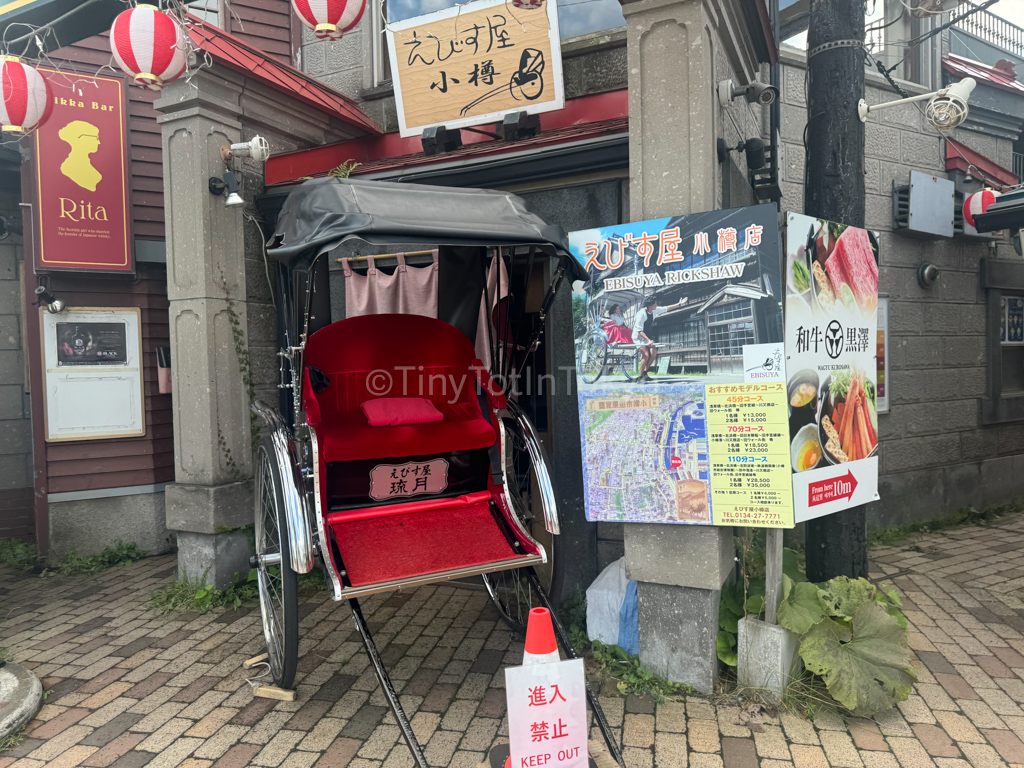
{"points": [[935, 456], [15, 413]]}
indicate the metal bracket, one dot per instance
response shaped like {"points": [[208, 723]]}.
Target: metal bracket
{"points": [[835, 44]]}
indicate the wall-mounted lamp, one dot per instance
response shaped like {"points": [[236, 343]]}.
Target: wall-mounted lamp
{"points": [[752, 148], [927, 274], [256, 148], [229, 184], [44, 297], [947, 107]]}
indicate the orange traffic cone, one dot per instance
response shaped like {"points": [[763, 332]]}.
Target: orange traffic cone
{"points": [[541, 646]]}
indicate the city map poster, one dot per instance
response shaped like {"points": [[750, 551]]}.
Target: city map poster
{"points": [[665, 315], [831, 365]]}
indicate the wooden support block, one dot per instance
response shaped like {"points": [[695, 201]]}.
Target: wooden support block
{"points": [[273, 692], [250, 663]]}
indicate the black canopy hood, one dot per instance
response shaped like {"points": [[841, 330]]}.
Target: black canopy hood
{"points": [[320, 214]]}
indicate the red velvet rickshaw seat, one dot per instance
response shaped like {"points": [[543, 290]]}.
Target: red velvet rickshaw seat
{"points": [[395, 356], [347, 437]]}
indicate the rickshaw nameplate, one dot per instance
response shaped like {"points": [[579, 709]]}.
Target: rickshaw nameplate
{"points": [[392, 481]]}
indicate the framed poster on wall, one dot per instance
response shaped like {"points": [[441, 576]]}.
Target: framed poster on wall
{"points": [[92, 363]]}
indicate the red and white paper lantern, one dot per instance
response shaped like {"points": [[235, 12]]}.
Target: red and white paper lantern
{"points": [[329, 19], [26, 96], [978, 203], [149, 45]]}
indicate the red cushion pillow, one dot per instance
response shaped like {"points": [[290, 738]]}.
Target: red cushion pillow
{"points": [[396, 411]]}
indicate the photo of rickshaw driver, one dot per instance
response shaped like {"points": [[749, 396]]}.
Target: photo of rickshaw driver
{"points": [[643, 333]]}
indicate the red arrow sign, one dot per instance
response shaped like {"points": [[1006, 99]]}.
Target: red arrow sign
{"points": [[833, 489]]}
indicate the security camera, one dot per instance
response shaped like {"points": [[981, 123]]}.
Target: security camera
{"points": [[257, 148], [947, 108], [759, 93], [927, 274]]}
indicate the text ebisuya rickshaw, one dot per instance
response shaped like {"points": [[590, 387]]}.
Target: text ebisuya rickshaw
{"points": [[383, 508]]}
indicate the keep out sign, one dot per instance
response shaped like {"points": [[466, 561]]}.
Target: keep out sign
{"points": [[547, 715]]}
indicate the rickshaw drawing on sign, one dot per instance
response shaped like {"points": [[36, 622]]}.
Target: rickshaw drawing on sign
{"points": [[604, 348], [465, 491]]}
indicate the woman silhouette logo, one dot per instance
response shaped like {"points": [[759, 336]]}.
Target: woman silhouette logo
{"points": [[84, 139]]}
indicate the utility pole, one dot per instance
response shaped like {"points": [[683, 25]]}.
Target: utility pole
{"points": [[834, 190]]}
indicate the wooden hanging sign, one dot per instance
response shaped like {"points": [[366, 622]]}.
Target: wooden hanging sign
{"points": [[474, 63]]}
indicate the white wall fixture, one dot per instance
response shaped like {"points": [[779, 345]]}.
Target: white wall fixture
{"points": [[947, 108]]}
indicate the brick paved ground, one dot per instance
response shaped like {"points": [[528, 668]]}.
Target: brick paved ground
{"points": [[131, 688]]}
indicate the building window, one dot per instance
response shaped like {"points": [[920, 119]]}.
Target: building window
{"points": [[729, 311], [381, 56], [207, 10], [727, 340], [1003, 281]]}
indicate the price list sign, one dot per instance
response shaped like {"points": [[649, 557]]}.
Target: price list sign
{"points": [[748, 436]]}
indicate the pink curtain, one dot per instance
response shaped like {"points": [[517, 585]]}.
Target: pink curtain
{"points": [[409, 291], [490, 316]]}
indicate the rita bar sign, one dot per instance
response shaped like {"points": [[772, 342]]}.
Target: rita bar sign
{"points": [[82, 177], [474, 63], [831, 350]]}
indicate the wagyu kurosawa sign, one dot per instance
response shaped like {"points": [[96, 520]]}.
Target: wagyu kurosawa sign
{"points": [[831, 349]]}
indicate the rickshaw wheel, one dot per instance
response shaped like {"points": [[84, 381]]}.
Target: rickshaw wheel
{"points": [[631, 366], [593, 356], [510, 591], [277, 582]]}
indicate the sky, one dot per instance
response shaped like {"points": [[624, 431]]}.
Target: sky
{"points": [[575, 17], [1011, 10], [578, 17]]}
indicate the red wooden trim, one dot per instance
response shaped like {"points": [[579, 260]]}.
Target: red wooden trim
{"points": [[289, 167], [959, 156]]}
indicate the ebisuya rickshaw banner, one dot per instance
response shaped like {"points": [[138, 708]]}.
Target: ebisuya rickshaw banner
{"points": [[680, 370], [831, 348]]}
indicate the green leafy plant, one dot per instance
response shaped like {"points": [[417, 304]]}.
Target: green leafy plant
{"points": [[122, 553], [853, 636], [631, 677], [19, 555], [10, 741], [574, 619], [344, 170], [962, 517], [745, 597], [195, 595]]}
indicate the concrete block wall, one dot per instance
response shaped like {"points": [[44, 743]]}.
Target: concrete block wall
{"points": [[935, 456], [15, 413]]}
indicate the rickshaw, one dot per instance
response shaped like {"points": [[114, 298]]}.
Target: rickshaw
{"points": [[597, 355], [465, 494]]}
